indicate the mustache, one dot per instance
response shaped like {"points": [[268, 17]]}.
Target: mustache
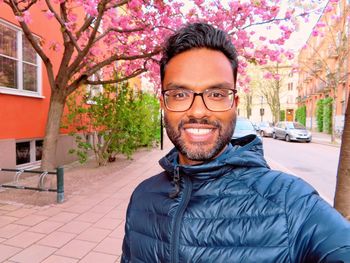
{"points": [[216, 124]]}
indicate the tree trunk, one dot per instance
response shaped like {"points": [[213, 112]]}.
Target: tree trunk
{"points": [[342, 193], [57, 102]]}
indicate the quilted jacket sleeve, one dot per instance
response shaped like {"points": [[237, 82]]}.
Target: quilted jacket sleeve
{"points": [[318, 233], [126, 242]]}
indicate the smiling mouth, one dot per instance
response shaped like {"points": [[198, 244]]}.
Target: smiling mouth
{"points": [[198, 131]]}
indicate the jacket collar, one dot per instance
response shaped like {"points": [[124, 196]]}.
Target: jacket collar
{"points": [[243, 152]]}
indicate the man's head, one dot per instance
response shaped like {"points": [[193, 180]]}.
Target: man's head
{"points": [[198, 73]]}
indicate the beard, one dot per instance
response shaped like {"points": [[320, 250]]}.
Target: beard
{"points": [[201, 151]]}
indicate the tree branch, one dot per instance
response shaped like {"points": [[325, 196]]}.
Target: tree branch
{"points": [[62, 23]]}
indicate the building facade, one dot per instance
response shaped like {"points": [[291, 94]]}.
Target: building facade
{"points": [[324, 65], [254, 104], [25, 92]]}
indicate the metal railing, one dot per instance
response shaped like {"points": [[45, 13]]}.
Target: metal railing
{"points": [[43, 174]]}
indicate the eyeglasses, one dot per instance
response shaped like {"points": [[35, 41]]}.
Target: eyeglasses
{"points": [[216, 99]]}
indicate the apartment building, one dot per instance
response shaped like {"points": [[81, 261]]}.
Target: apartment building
{"points": [[25, 91], [254, 104], [324, 64]]}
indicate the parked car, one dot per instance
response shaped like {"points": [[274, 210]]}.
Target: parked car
{"points": [[244, 127], [265, 129], [291, 131]]}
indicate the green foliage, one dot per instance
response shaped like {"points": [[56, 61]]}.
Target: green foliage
{"points": [[300, 115], [282, 115], [115, 122], [327, 115], [319, 114]]}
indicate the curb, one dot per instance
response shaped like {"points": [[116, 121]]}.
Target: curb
{"points": [[336, 144]]}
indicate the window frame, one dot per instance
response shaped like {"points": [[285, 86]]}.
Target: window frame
{"points": [[32, 153], [20, 91]]}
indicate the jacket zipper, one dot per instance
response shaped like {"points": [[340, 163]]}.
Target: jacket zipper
{"points": [[178, 218]]}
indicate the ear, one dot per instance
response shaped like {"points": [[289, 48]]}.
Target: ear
{"points": [[236, 100], [161, 101]]}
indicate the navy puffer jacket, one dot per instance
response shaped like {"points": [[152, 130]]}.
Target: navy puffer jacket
{"points": [[232, 209]]}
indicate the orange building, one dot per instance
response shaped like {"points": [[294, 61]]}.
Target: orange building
{"points": [[324, 64], [25, 91]]}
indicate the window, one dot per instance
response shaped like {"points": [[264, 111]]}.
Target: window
{"points": [[20, 68], [94, 90], [29, 151], [290, 86]]}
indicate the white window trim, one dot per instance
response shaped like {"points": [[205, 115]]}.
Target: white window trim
{"points": [[33, 162], [20, 91]]}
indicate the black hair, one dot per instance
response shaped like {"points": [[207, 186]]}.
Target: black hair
{"points": [[198, 35]]}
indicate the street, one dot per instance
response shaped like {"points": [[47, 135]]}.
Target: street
{"points": [[315, 163]]}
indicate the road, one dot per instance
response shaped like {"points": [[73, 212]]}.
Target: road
{"points": [[315, 163]]}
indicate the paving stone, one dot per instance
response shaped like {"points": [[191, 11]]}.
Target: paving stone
{"points": [[11, 230], [46, 227], [64, 217], [76, 249], [75, 227], [94, 234], [33, 254], [31, 220], [94, 257], [24, 239], [60, 259], [110, 246], [7, 252], [57, 239]]}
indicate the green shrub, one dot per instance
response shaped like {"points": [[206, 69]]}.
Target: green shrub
{"points": [[327, 115], [282, 115], [120, 122], [300, 115], [319, 114]]}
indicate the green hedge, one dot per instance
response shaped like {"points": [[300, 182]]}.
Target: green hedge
{"points": [[282, 115], [319, 114], [324, 110], [300, 115], [327, 114]]}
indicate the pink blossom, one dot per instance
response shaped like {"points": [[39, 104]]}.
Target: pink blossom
{"points": [[314, 33], [268, 75], [26, 18], [328, 9], [277, 77], [55, 46], [49, 15]]}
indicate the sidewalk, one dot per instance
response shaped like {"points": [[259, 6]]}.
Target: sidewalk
{"points": [[88, 227], [323, 138]]}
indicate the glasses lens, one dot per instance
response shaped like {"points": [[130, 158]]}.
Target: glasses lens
{"points": [[178, 99], [214, 99], [219, 99]]}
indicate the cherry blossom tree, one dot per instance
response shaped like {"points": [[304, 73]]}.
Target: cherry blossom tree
{"points": [[123, 38]]}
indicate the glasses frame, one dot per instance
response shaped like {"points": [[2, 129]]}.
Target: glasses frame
{"points": [[200, 94]]}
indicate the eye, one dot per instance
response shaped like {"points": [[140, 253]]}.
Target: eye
{"points": [[178, 94], [217, 93]]}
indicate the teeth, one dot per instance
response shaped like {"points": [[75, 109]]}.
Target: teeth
{"points": [[198, 131]]}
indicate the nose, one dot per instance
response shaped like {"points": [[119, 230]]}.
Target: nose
{"points": [[198, 108]]}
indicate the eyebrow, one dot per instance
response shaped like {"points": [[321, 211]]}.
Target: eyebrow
{"points": [[221, 85]]}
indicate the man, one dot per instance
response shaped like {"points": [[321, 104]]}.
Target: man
{"points": [[217, 200]]}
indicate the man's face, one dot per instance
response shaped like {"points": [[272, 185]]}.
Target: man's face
{"points": [[198, 133]]}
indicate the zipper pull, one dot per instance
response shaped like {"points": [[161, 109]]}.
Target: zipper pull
{"points": [[176, 182]]}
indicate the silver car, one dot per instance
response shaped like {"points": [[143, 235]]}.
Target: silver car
{"points": [[291, 131], [244, 127], [265, 129]]}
